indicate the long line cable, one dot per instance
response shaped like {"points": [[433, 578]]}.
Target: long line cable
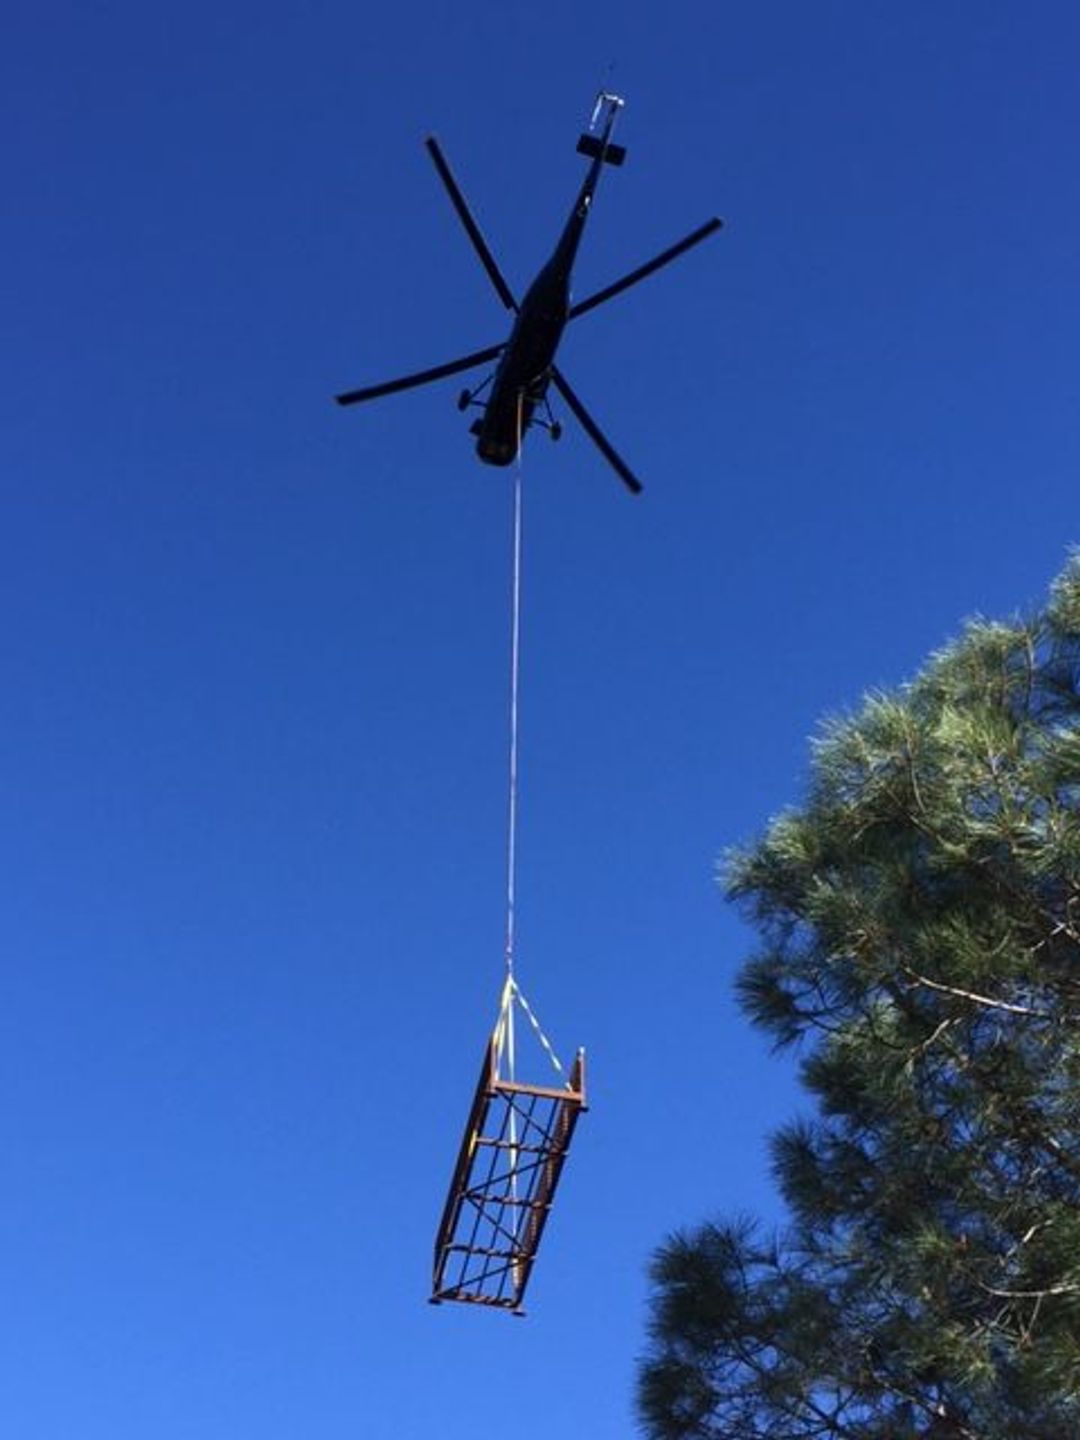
{"points": [[515, 670], [511, 990], [514, 683], [510, 986]]}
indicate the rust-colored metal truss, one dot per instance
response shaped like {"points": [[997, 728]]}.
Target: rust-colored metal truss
{"points": [[511, 1156]]}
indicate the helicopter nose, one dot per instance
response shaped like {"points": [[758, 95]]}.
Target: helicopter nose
{"points": [[494, 451]]}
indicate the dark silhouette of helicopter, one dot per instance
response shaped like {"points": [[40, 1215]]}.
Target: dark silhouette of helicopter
{"points": [[526, 361]]}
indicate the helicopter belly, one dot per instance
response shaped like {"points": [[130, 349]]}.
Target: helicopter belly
{"points": [[496, 450], [524, 372], [521, 382], [506, 419]]}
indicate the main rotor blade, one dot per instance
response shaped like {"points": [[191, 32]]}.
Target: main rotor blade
{"points": [[664, 258], [465, 216], [595, 434], [421, 377]]}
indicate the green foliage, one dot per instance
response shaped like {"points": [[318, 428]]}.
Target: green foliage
{"points": [[920, 942]]}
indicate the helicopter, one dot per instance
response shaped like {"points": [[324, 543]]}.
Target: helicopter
{"points": [[525, 362]]}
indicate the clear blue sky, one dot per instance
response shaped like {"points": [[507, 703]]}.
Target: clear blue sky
{"points": [[254, 647]]}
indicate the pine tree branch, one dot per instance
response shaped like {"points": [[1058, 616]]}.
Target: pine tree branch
{"points": [[925, 1045], [985, 1000], [1066, 1287]]}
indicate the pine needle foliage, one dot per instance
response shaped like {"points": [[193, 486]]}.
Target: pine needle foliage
{"points": [[919, 919]]}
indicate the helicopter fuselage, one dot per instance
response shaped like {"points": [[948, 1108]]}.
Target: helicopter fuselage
{"points": [[524, 370], [523, 373]]}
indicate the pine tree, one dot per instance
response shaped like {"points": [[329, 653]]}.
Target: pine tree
{"points": [[919, 919]]}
